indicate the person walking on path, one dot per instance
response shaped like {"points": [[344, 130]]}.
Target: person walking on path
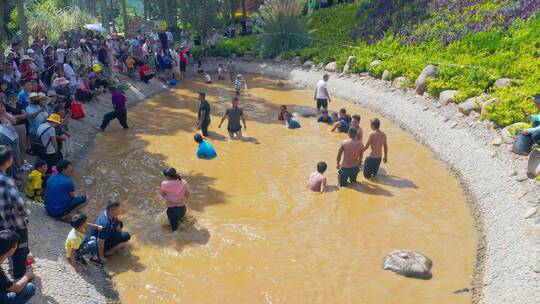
{"points": [[351, 149], [203, 114], [377, 141], [322, 97], [110, 237], [13, 213], [23, 289], [176, 191], [205, 149], [234, 114], [119, 112]]}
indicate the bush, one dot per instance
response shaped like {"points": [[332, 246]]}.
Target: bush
{"points": [[511, 108]]}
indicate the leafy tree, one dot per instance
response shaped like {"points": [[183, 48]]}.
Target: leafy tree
{"points": [[200, 14]]}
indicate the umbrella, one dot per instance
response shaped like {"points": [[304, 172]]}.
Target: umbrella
{"points": [[95, 27]]}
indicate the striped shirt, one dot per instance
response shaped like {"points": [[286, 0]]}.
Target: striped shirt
{"points": [[13, 212], [237, 85]]}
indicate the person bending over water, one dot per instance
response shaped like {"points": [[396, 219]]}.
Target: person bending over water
{"points": [[176, 191], [340, 125], [352, 150], [355, 123], [377, 142], [317, 180], [234, 114], [110, 237], [205, 150], [325, 118]]}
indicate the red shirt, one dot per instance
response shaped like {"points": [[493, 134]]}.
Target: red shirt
{"points": [[144, 70], [183, 56]]}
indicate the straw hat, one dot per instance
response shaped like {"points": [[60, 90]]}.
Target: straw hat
{"points": [[60, 81], [36, 96], [54, 118], [96, 67]]}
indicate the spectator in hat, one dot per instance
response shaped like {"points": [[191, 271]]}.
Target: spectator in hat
{"points": [[534, 132], [36, 112], [46, 134], [27, 73], [61, 87]]}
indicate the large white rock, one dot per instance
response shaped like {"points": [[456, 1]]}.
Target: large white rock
{"points": [[347, 66], [308, 64], [503, 82], [409, 263], [488, 103], [505, 132], [401, 82], [429, 71], [331, 67], [533, 166], [385, 75], [296, 61], [375, 63], [447, 97], [473, 104]]}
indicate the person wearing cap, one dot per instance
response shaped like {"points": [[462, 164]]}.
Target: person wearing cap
{"points": [[35, 112], [176, 192], [46, 135], [534, 132], [60, 198], [325, 118], [63, 91], [119, 110]]}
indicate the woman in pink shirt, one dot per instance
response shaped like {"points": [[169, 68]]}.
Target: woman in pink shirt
{"points": [[176, 192]]}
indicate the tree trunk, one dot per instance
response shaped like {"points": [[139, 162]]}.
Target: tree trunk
{"points": [[167, 12], [22, 23], [145, 5], [244, 9], [124, 16], [104, 14], [92, 8], [111, 12], [2, 25]]}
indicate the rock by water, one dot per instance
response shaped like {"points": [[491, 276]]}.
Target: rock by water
{"points": [[429, 71], [447, 97], [331, 67], [409, 263]]}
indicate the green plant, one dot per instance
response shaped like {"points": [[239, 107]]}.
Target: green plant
{"points": [[511, 108]]}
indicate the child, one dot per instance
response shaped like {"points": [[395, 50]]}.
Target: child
{"points": [[292, 123], [200, 69], [176, 191], [221, 72], [283, 114], [325, 118], [34, 189], [207, 78], [316, 180], [238, 84], [340, 125], [130, 63], [77, 245]]}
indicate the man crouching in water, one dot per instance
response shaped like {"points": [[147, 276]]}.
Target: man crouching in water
{"points": [[352, 151], [377, 142]]}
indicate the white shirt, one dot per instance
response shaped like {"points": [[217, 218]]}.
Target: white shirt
{"points": [[46, 136], [321, 86], [70, 73], [208, 78]]}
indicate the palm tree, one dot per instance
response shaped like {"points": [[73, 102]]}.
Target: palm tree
{"points": [[22, 22]]}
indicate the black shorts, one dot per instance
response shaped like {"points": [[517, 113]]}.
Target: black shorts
{"points": [[347, 174], [182, 66], [371, 167], [234, 130], [322, 103]]}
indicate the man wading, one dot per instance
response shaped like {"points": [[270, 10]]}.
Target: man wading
{"points": [[377, 141], [204, 114], [234, 114], [352, 150]]}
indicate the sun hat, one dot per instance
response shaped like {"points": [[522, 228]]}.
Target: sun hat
{"points": [[26, 57], [82, 41], [60, 81], [51, 93], [30, 51], [35, 95], [96, 67], [54, 118]]}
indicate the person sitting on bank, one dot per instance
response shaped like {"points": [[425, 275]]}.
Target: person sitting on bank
{"points": [[111, 237], [534, 132], [78, 244], [317, 180], [340, 125], [176, 191], [325, 118], [205, 150], [60, 198], [23, 289], [377, 141], [34, 188], [234, 115]]}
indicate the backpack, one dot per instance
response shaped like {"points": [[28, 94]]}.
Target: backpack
{"points": [[37, 146], [77, 110]]}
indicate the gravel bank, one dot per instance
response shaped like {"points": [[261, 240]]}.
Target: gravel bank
{"points": [[57, 282], [493, 178]]}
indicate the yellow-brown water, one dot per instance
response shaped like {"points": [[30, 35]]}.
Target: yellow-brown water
{"points": [[259, 236]]}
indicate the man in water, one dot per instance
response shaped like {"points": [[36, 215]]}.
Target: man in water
{"points": [[317, 180], [321, 94], [205, 150], [355, 123], [325, 118], [340, 125], [377, 142], [352, 151], [203, 115], [343, 115], [234, 114]]}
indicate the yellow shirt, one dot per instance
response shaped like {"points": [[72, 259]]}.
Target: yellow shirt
{"points": [[74, 241], [130, 62], [34, 189]]}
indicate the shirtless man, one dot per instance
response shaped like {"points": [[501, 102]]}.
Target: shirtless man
{"points": [[234, 115], [355, 123], [377, 142], [317, 180], [352, 151]]}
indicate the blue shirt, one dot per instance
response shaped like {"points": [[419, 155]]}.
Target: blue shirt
{"points": [[327, 120], [23, 98], [293, 124], [110, 226], [206, 151], [343, 126], [57, 193], [36, 121]]}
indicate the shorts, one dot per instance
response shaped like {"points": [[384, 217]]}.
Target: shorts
{"points": [[73, 204], [322, 103], [116, 238], [234, 129], [347, 174], [182, 66], [371, 167], [237, 92]]}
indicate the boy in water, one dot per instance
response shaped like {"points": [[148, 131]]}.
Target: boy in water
{"points": [[343, 115], [325, 118], [205, 150], [176, 192], [292, 123], [207, 78], [234, 114], [352, 150], [283, 113], [317, 180], [340, 125], [377, 141], [355, 123], [238, 84]]}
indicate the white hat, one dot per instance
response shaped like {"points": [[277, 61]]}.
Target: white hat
{"points": [[26, 57], [30, 51]]}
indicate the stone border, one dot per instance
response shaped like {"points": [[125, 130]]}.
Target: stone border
{"points": [[499, 197]]}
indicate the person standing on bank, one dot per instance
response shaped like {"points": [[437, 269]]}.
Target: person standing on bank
{"points": [[13, 213], [321, 94], [176, 191], [234, 114], [203, 115], [119, 112]]}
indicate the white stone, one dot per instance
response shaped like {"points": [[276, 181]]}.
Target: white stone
{"points": [[488, 103], [530, 212], [375, 63], [497, 141], [347, 67], [400, 82], [503, 82], [447, 97], [308, 64], [331, 67], [386, 75], [429, 71], [505, 132]]}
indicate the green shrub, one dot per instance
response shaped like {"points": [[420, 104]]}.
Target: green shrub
{"points": [[511, 108]]}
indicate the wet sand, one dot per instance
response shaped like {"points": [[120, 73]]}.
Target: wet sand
{"points": [[258, 235]]}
